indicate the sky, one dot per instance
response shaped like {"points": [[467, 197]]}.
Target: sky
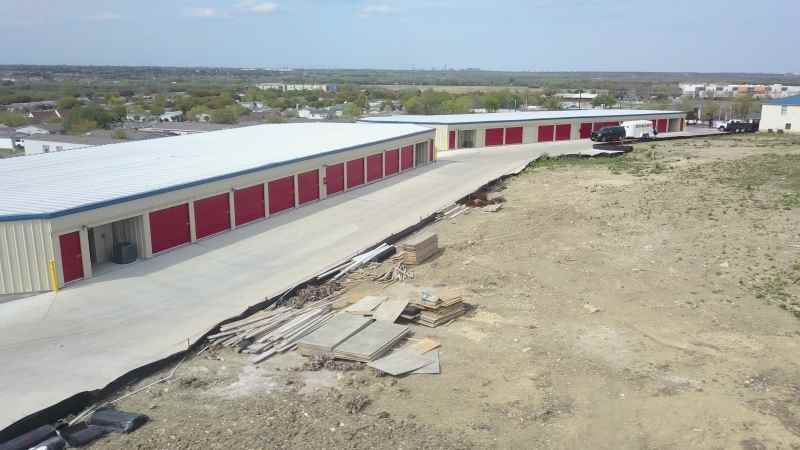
{"points": [[539, 35]]}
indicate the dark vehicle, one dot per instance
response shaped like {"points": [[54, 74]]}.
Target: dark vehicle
{"points": [[609, 134], [740, 127]]}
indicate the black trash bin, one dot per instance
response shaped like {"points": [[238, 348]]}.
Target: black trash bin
{"points": [[124, 253]]}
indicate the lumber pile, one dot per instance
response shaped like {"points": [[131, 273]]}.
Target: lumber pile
{"points": [[432, 311], [275, 329], [418, 249], [371, 342], [357, 262]]}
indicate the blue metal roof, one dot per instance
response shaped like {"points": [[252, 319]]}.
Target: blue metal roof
{"points": [[57, 184], [791, 101]]}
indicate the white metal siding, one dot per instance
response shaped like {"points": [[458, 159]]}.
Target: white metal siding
{"points": [[25, 248]]}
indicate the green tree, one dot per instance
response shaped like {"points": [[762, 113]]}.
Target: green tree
{"points": [[606, 100], [196, 111], [551, 103], [119, 133], [79, 125], [491, 103], [352, 110], [710, 110], [158, 105], [229, 114], [67, 103], [743, 105]]}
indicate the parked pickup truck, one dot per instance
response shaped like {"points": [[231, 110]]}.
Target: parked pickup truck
{"points": [[609, 134], [739, 127]]}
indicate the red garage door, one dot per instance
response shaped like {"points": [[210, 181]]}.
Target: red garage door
{"points": [[514, 135], [586, 130], [663, 125], [407, 157], [451, 140], [212, 215], [71, 259], [546, 133], [355, 173], [563, 132], [248, 204], [392, 163], [281, 194], [308, 186], [334, 178], [494, 136], [169, 228], [374, 167]]}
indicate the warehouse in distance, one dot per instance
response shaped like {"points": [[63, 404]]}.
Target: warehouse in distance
{"points": [[65, 216], [455, 131]]}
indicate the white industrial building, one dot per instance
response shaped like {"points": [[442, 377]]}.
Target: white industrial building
{"points": [[454, 131], [64, 216], [781, 115]]}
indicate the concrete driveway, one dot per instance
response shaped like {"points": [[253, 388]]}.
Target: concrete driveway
{"points": [[82, 338]]}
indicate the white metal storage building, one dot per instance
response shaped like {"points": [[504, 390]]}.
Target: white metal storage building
{"points": [[455, 131], [62, 214]]}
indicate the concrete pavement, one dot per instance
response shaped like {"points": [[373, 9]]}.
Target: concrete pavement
{"points": [[82, 338]]}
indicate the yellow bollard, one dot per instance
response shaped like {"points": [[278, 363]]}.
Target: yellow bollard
{"points": [[51, 265]]}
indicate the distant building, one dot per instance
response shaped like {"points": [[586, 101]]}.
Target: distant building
{"points": [[31, 130], [171, 116], [781, 115], [38, 144], [710, 90], [140, 117], [31, 106], [286, 87]]}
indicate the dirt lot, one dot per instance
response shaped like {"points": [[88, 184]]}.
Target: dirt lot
{"points": [[641, 302]]}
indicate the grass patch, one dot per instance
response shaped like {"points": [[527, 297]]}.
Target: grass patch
{"points": [[775, 289], [9, 152]]}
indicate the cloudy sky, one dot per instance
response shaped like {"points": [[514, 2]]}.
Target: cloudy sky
{"points": [[671, 35]]}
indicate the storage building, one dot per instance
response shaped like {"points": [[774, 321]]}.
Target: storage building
{"points": [[781, 115], [70, 214], [454, 131]]}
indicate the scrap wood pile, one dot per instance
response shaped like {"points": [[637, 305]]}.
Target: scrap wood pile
{"points": [[275, 329], [358, 262]]}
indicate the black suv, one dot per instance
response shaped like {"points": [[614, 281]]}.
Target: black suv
{"points": [[609, 134]]}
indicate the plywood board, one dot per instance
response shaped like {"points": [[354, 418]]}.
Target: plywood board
{"points": [[434, 368], [366, 305], [334, 332], [400, 362], [390, 310]]}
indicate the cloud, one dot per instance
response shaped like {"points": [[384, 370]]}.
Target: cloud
{"points": [[258, 7], [377, 10], [201, 12], [105, 16]]}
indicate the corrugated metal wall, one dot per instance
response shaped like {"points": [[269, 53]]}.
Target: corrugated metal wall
{"points": [[25, 248]]}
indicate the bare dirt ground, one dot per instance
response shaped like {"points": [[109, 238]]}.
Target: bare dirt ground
{"points": [[640, 302]]}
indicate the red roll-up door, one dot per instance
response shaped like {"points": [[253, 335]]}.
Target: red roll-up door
{"points": [[71, 258], [663, 125], [451, 140], [169, 228], [563, 132], [586, 130], [407, 157], [334, 178], [281, 194], [248, 204], [308, 186], [392, 163], [374, 167], [513, 135], [494, 136], [432, 151], [355, 173], [212, 215], [546, 133]]}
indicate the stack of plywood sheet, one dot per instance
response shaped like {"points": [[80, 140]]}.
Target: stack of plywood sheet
{"points": [[434, 311], [371, 342], [418, 249], [335, 331]]}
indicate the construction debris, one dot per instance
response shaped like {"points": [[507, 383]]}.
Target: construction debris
{"points": [[435, 311], [275, 329], [398, 272], [492, 208], [335, 331], [415, 357], [418, 249], [371, 342], [357, 262], [366, 306]]}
